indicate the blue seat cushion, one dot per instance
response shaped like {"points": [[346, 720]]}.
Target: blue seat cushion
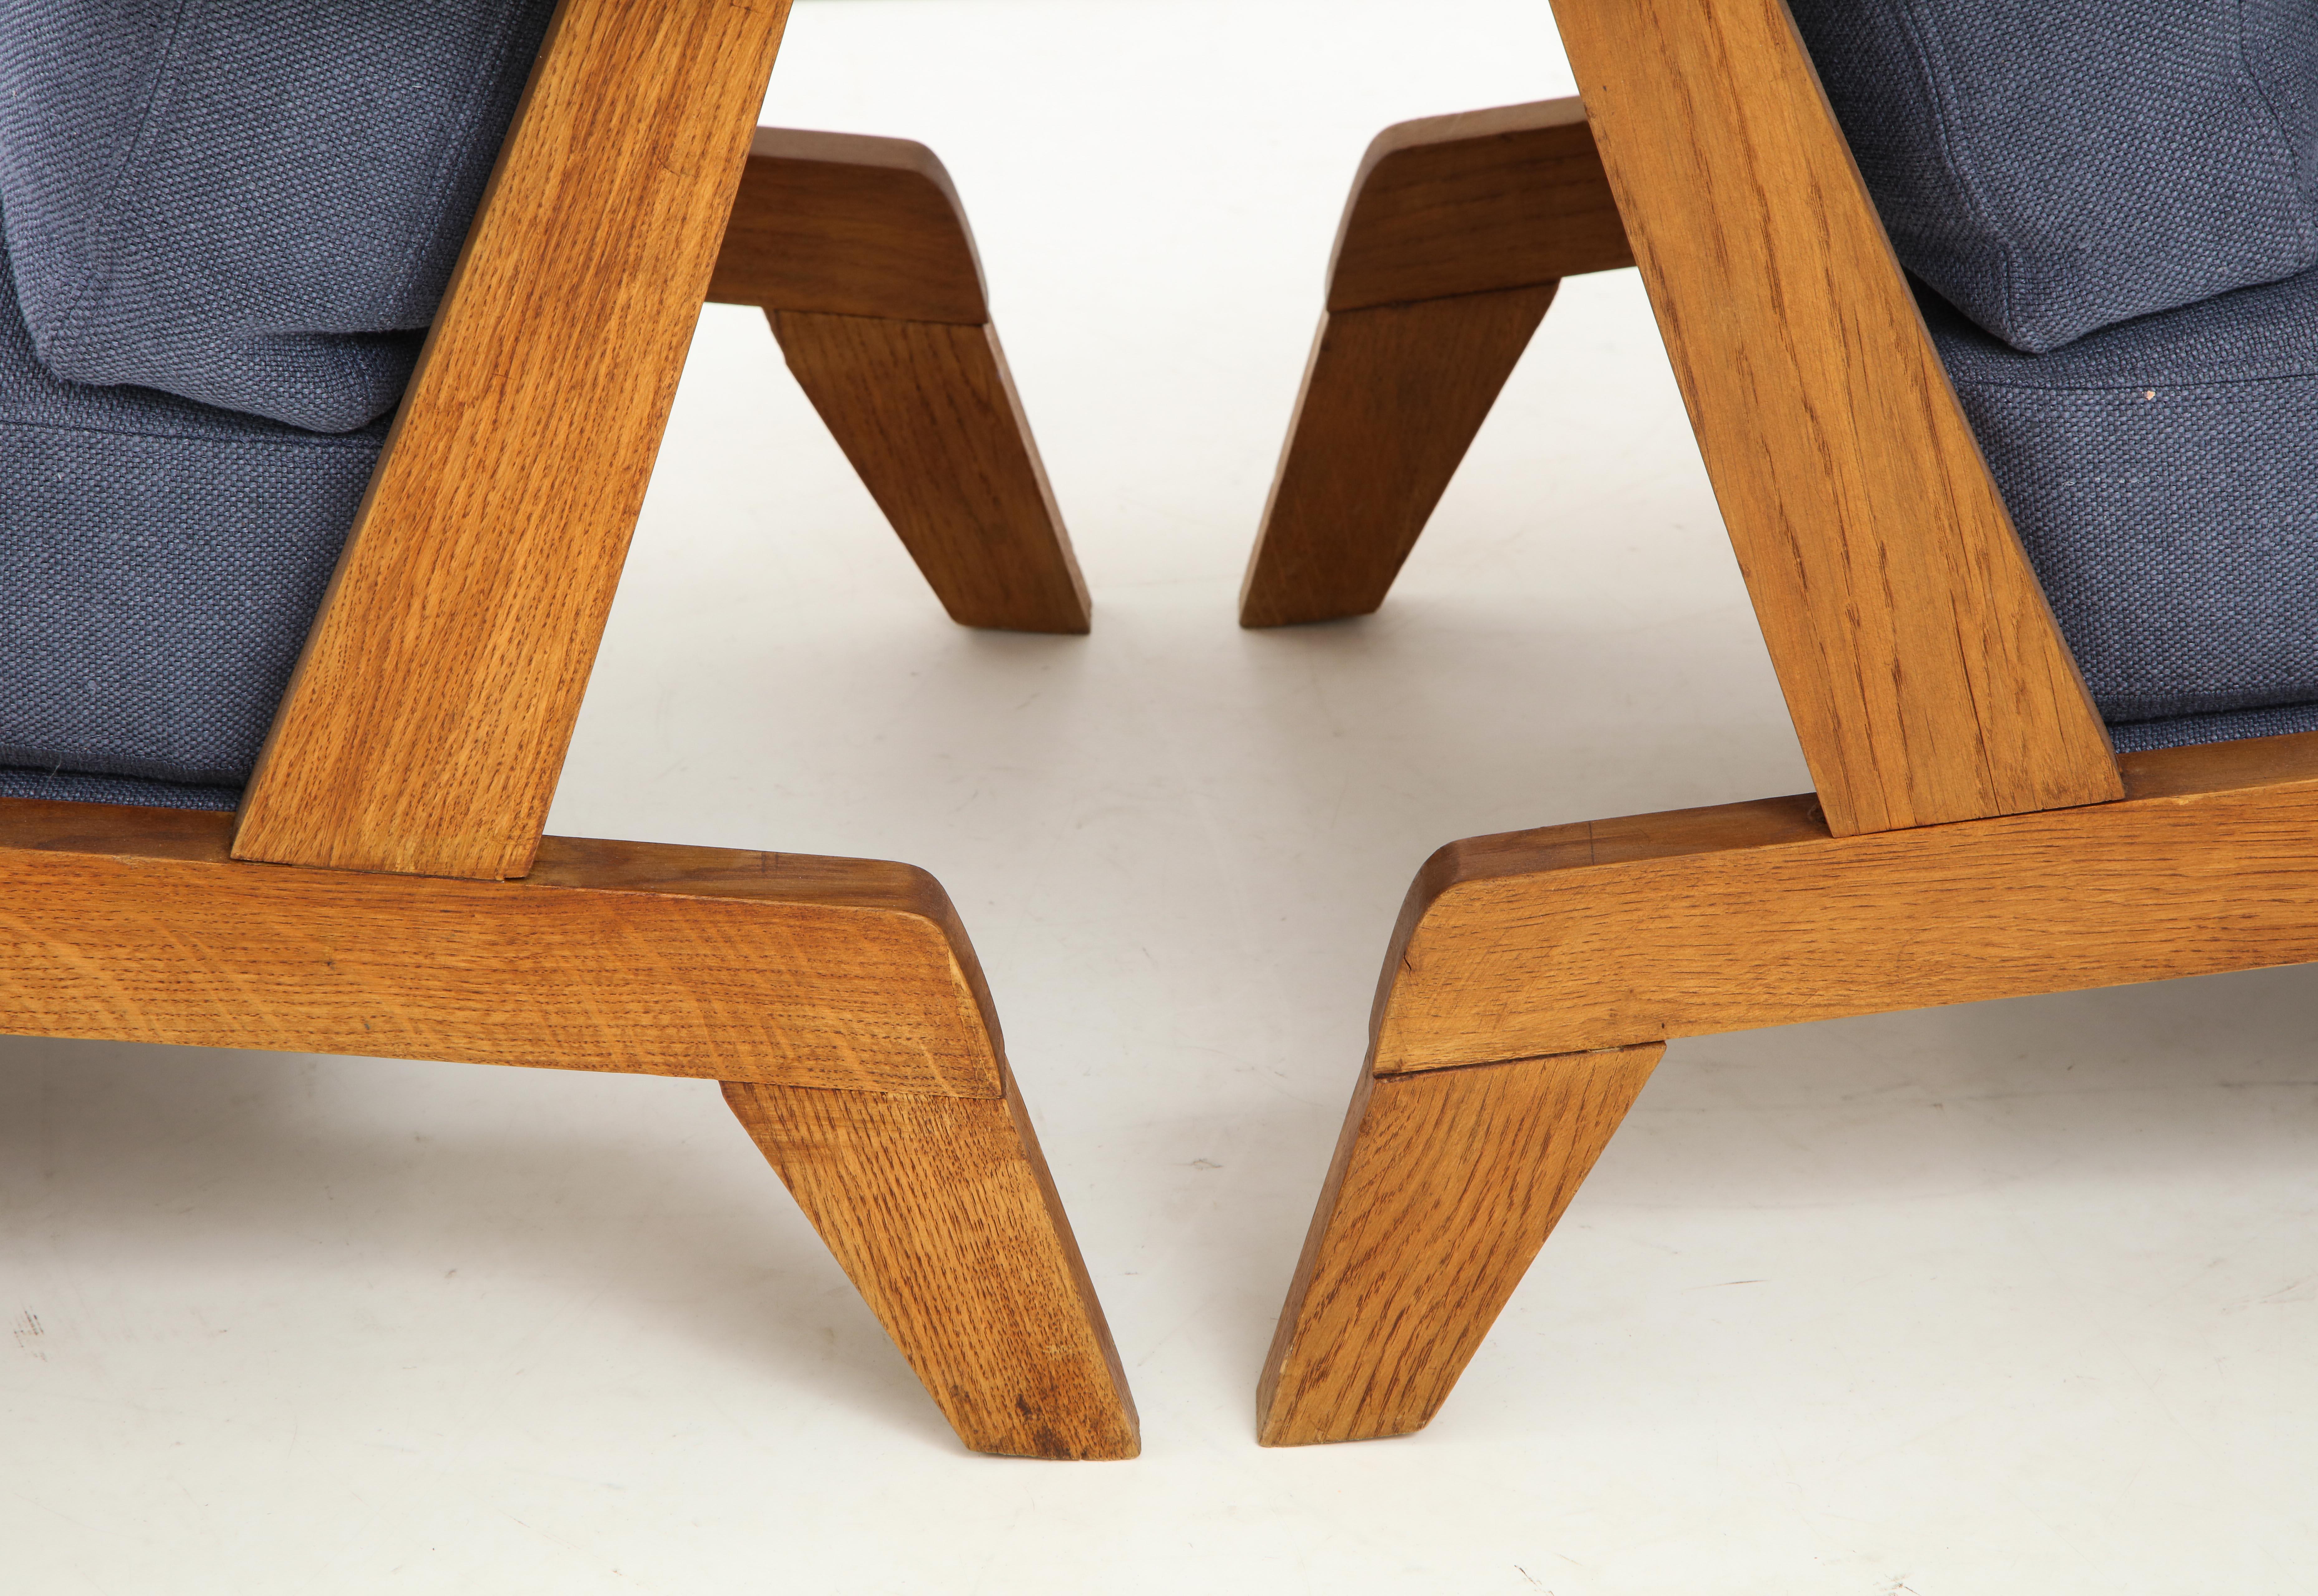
{"points": [[2163, 474], [160, 562], [2054, 167], [251, 203], [67, 786]]}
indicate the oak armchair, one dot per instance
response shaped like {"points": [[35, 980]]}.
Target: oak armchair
{"points": [[1992, 540], [223, 826]]}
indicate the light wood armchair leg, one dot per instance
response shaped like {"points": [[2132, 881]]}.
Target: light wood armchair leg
{"points": [[942, 1212], [857, 251], [1458, 230], [1445, 1183], [1392, 398]]}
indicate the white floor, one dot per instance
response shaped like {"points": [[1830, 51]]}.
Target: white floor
{"points": [[2010, 1298]]}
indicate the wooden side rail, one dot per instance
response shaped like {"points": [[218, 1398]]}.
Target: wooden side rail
{"points": [[837, 1000], [1475, 202], [1612, 933], [1534, 977], [134, 924], [844, 224], [859, 253], [1456, 233]]}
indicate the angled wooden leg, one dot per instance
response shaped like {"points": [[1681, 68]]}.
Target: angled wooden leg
{"points": [[1392, 398], [927, 412], [1445, 1183], [942, 1212], [1458, 229], [857, 251]]}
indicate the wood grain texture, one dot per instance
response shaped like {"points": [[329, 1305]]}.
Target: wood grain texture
{"points": [[1513, 197], [849, 225], [1456, 233], [942, 1212], [427, 719], [134, 925], [928, 413], [1699, 921], [1392, 398], [1444, 1186], [1920, 660]]}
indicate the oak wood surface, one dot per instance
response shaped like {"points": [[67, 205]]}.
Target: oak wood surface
{"points": [[1456, 232], [928, 413], [1443, 1188], [427, 718], [943, 1214], [1920, 660], [1392, 398], [133, 924], [1513, 197], [849, 225], [1613, 932]]}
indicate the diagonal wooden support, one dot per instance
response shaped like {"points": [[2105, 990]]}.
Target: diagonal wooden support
{"points": [[857, 251]]}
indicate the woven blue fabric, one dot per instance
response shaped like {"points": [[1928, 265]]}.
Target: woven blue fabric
{"points": [[2276, 721], [250, 203], [67, 787], [160, 562], [253, 203], [2053, 167], [2163, 474]]}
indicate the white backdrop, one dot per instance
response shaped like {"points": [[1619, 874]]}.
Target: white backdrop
{"points": [[2008, 1298]]}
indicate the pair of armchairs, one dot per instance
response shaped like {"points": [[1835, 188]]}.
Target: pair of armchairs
{"points": [[312, 514]]}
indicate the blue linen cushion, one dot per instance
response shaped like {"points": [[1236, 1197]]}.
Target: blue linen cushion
{"points": [[2163, 474], [2279, 719], [252, 203], [67, 787], [160, 562], [2054, 167]]}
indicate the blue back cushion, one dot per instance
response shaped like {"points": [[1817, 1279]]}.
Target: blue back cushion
{"points": [[2053, 167], [251, 203]]}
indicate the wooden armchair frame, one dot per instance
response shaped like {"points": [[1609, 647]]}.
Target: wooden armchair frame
{"points": [[385, 889], [1972, 835]]}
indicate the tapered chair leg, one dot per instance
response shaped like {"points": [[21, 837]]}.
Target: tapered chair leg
{"points": [[928, 413], [1457, 232], [1392, 398], [942, 1212], [1445, 1183], [857, 251]]}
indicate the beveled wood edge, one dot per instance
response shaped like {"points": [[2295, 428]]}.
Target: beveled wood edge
{"points": [[2176, 774], [1485, 133], [757, 229], [595, 866]]}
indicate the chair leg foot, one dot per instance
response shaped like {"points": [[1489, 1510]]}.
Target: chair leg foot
{"points": [[942, 1212], [928, 413], [1445, 1183], [1391, 401]]}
